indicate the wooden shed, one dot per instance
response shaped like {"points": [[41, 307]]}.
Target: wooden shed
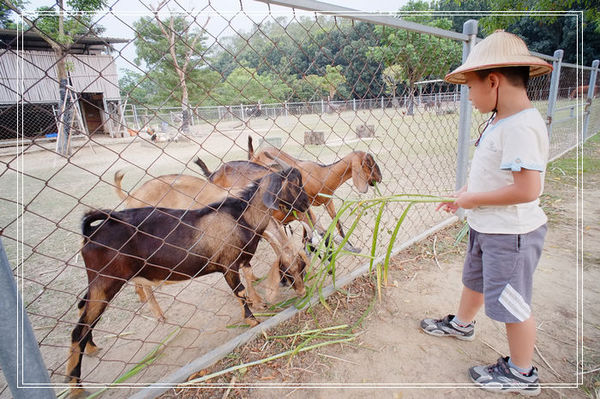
{"points": [[31, 110]]}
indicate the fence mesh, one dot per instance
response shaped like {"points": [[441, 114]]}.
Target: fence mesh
{"points": [[319, 87]]}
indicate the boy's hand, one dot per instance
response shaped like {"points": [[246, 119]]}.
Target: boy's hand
{"points": [[448, 207], [466, 201], [452, 206]]}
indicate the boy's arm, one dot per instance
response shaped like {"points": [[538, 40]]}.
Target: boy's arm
{"points": [[526, 188], [451, 206]]}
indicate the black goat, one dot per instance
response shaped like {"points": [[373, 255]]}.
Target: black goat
{"points": [[162, 244]]}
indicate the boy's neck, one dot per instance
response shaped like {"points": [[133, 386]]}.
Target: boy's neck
{"points": [[511, 100]]}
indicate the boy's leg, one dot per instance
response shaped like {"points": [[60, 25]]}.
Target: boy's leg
{"points": [[512, 260], [521, 342], [462, 326], [470, 303]]}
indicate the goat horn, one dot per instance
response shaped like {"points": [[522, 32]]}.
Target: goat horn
{"points": [[309, 231], [273, 241]]}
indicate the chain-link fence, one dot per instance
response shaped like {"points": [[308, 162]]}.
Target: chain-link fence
{"points": [[325, 89]]}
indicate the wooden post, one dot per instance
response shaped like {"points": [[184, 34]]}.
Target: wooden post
{"points": [[314, 137]]}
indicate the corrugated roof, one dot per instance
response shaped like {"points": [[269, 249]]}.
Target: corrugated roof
{"points": [[30, 40], [36, 71]]}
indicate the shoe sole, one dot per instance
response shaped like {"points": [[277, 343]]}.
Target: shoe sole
{"points": [[442, 334], [498, 389]]}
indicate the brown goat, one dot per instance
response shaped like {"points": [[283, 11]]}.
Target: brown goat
{"points": [[190, 192], [162, 244], [323, 179]]}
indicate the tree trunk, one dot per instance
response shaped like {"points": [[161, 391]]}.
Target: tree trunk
{"points": [[185, 106], [410, 108], [66, 113]]}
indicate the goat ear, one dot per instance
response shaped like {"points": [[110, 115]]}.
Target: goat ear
{"points": [[282, 164], [359, 178], [273, 189]]}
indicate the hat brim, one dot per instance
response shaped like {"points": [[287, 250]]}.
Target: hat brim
{"points": [[536, 66]]}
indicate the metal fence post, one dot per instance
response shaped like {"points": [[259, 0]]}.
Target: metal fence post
{"points": [[553, 93], [464, 121], [590, 96], [20, 357]]}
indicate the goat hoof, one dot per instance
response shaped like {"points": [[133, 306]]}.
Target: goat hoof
{"points": [[76, 390], [252, 322], [78, 393], [91, 350]]}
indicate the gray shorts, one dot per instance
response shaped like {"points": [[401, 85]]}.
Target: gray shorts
{"points": [[501, 267]]}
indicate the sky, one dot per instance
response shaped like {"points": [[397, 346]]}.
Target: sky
{"points": [[225, 17]]}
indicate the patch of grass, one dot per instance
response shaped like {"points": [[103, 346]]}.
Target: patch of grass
{"points": [[551, 204], [569, 167], [591, 375]]}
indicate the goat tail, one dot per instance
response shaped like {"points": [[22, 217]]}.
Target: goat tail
{"points": [[118, 189], [91, 217], [203, 166], [250, 148]]}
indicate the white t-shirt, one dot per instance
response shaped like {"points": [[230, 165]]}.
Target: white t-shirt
{"points": [[518, 141]]}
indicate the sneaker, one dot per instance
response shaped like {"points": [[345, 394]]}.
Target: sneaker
{"points": [[446, 327], [500, 377]]}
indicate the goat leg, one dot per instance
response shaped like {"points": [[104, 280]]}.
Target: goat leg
{"points": [[232, 277], [90, 348], [255, 299], [273, 282], [145, 293], [81, 336]]}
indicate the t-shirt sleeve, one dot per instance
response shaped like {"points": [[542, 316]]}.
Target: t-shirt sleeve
{"points": [[522, 149]]}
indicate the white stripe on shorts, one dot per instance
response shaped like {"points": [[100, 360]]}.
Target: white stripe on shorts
{"points": [[514, 303]]}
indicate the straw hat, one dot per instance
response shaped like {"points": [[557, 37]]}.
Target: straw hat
{"points": [[500, 49]]}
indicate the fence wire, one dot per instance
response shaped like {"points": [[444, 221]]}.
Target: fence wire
{"points": [[319, 87]]}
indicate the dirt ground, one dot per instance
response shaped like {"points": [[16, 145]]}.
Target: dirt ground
{"points": [[391, 358], [389, 350]]}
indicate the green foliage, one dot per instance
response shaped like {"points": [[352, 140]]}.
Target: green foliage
{"points": [[303, 48], [461, 5], [74, 23], [161, 85], [543, 34], [333, 79], [153, 48], [589, 8], [393, 76], [247, 86], [406, 50]]}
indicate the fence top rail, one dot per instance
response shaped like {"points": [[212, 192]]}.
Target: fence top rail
{"points": [[583, 67], [372, 17], [544, 56]]}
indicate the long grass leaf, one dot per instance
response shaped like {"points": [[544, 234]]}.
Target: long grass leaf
{"points": [[376, 234], [392, 241], [262, 361]]}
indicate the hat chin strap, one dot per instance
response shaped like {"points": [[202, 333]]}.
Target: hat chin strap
{"points": [[492, 116], [495, 110]]}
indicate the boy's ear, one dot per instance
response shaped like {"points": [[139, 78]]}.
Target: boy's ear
{"points": [[494, 79]]}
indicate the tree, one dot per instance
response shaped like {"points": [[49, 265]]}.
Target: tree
{"points": [[176, 36], [459, 19], [591, 12], [393, 76], [244, 85], [333, 79], [544, 34], [59, 29], [416, 55]]}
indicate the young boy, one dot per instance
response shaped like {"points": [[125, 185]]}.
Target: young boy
{"points": [[507, 226]]}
